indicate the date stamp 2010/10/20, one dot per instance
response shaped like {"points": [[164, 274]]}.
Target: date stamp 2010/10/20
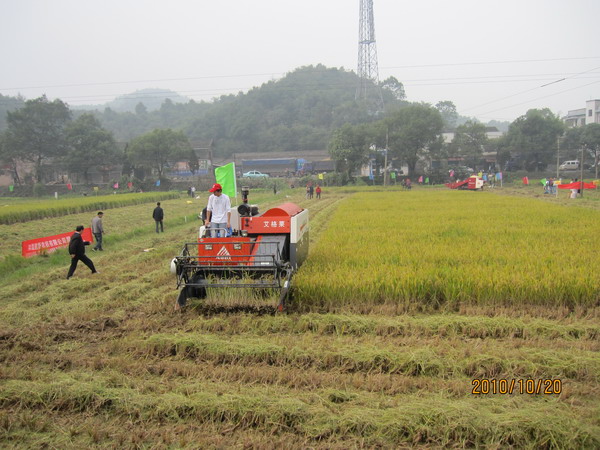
{"points": [[484, 386]]}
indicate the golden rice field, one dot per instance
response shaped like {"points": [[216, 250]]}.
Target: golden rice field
{"points": [[444, 249], [369, 357]]}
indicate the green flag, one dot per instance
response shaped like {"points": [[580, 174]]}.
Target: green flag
{"points": [[543, 181], [225, 176], [11, 188]]}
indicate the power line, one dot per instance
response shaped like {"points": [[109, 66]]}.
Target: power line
{"points": [[535, 88], [541, 98], [517, 61], [408, 83], [158, 80]]}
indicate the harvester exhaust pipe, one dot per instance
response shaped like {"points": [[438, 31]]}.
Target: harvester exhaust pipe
{"points": [[246, 210]]}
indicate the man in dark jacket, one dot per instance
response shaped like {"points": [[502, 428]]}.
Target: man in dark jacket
{"points": [[77, 252], [158, 216]]}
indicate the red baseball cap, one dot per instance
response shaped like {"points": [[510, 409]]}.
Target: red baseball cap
{"points": [[216, 187]]}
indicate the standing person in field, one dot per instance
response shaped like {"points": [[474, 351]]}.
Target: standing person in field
{"points": [[318, 191], [218, 211], [77, 252], [575, 191], [311, 191], [98, 230], [158, 216]]}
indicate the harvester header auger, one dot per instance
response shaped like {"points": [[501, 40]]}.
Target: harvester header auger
{"points": [[260, 251], [472, 183]]}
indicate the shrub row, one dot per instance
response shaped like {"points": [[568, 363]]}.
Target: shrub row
{"points": [[25, 212]]}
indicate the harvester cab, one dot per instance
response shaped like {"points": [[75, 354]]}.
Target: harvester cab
{"points": [[260, 251]]}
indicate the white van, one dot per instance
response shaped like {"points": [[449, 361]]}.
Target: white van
{"points": [[569, 165]]}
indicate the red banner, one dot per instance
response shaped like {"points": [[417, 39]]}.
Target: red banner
{"points": [[49, 244], [577, 185]]}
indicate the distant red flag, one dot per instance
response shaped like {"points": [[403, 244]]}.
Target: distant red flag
{"points": [[525, 180], [69, 186], [116, 185]]}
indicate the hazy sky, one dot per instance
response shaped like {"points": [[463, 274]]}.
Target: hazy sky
{"points": [[491, 58]]}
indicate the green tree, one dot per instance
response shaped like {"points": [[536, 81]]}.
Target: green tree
{"points": [[449, 114], [8, 103], [89, 145], [534, 136], [412, 131], [8, 161], [469, 141], [140, 109], [395, 87], [591, 139], [571, 141], [36, 132], [192, 161], [348, 146], [155, 150]]}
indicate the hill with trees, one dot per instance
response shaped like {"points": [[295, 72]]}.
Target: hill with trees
{"points": [[142, 100], [297, 112]]}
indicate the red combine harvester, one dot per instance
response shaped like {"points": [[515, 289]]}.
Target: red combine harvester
{"points": [[260, 251], [471, 183]]}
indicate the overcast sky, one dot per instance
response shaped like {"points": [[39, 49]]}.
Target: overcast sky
{"points": [[491, 58]]}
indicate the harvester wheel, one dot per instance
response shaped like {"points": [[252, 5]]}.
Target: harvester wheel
{"points": [[191, 291], [198, 292], [182, 299]]}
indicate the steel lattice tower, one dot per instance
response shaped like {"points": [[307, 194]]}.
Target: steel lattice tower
{"points": [[368, 89]]}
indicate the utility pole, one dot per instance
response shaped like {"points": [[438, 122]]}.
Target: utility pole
{"points": [[581, 167], [368, 89], [385, 163], [557, 155]]}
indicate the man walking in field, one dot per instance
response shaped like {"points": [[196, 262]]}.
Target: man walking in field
{"points": [[158, 216], [77, 252], [218, 211], [98, 230]]}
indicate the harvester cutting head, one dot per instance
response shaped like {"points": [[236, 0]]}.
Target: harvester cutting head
{"points": [[260, 251]]}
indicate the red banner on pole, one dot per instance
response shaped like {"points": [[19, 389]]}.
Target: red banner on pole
{"points": [[577, 185], [48, 244]]}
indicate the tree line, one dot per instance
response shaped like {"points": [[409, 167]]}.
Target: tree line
{"points": [[413, 133], [43, 131], [313, 107]]}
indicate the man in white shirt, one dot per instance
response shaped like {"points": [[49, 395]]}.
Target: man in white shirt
{"points": [[218, 211]]}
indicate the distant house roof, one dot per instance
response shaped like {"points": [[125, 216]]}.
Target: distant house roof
{"points": [[309, 155], [306, 154], [575, 113], [202, 149]]}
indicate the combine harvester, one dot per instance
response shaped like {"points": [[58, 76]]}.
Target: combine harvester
{"points": [[260, 251], [472, 183]]}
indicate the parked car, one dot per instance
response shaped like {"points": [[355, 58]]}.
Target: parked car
{"points": [[569, 165], [255, 174]]}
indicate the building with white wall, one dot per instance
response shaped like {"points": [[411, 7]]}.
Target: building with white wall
{"points": [[584, 116]]}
